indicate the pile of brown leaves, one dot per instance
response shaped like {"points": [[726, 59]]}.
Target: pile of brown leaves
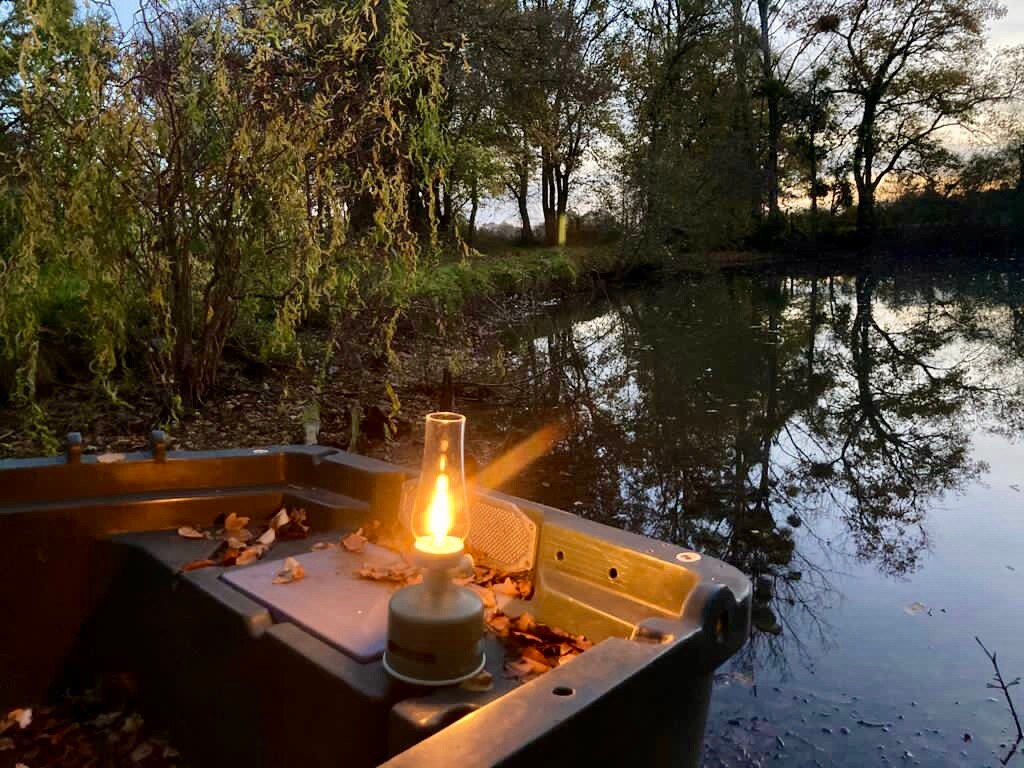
{"points": [[238, 544], [531, 648], [400, 573], [81, 733]]}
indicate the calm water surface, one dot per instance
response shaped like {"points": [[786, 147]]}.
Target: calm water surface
{"points": [[851, 440]]}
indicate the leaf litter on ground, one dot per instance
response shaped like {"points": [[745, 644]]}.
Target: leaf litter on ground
{"points": [[82, 731]]}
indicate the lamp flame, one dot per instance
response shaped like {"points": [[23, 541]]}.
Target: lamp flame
{"points": [[439, 513]]}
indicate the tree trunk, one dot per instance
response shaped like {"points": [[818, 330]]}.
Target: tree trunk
{"points": [[742, 119], [447, 218], [521, 192], [814, 177], [866, 220], [360, 211], [812, 333], [864, 172], [526, 233], [522, 200], [474, 203], [561, 205], [774, 116], [1020, 167], [549, 200], [442, 205], [770, 414], [220, 311], [181, 317]]}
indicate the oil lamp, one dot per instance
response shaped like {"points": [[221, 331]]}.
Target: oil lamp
{"points": [[435, 628]]}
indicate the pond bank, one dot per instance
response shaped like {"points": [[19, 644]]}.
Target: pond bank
{"points": [[454, 311], [452, 317]]}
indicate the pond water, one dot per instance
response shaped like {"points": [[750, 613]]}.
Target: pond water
{"points": [[852, 440]]}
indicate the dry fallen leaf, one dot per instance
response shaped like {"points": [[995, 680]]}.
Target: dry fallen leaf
{"points": [[23, 717], [141, 752], [292, 571], [506, 584], [267, 537], [354, 542], [235, 523], [295, 528], [82, 730], [188, 532], [279, 519], [479, 683], [524, 669], [524, 623], [250, 554], [195, 565], [499, 623], [530, 645], [506, 587], [533, 653], [243, 535], [106, 719], [486, 596], [399, 573], [228, 555]]}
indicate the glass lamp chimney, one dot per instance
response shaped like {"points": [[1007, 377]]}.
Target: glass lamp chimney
{"points": [[440, 514]]}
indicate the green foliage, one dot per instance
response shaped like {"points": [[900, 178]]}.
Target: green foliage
{"points": [[453, 286], [690, 161], [213, 169]]}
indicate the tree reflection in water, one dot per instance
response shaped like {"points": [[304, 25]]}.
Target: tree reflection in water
{"points": [[722, 413]]}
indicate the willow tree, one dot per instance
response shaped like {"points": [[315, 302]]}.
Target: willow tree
{"points": [[911, 69], [50, 62], [233, 164]]}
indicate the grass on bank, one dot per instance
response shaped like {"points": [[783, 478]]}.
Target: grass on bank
{"points": [[537, 271]]}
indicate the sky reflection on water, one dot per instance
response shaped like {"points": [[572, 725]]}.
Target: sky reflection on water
{"points": [[852, 442]]}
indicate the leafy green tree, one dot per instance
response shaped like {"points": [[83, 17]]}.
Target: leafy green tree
{"points": [[690, 161], [910, 69], [810, 110]]}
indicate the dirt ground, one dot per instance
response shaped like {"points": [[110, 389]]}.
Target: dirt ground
{"points": [[256, 404]]}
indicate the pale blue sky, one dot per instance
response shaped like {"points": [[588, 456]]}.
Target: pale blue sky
{"points": [[1010, 30], [1007, 31]]}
